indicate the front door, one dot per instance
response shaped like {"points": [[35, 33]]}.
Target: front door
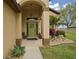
{"points": [[31, 29]]}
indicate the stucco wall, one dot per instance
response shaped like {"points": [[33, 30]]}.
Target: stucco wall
{"points": [[9, 29]]}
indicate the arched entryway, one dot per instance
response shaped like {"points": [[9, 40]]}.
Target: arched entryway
{"points": [[31, 19], [35, 19]]}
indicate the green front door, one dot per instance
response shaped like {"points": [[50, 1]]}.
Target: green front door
{"points": [[32, 29]]}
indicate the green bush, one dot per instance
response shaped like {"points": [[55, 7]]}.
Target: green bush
{"points": [[18, 51]]}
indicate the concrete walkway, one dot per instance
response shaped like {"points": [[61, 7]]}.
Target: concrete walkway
{"points": [[32, 53], [32, 49]]}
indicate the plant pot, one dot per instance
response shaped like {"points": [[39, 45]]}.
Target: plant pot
{"points": [[18, 41], [40, 36]]}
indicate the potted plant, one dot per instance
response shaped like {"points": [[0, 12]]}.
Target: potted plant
{"points": [[18, 52], [18, 41], [39, 35]]}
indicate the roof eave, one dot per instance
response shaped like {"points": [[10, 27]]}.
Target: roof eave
{"points": [[56, 12], [14, 5]]}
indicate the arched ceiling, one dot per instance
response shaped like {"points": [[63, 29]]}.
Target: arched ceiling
{"points": [[32, 9]]}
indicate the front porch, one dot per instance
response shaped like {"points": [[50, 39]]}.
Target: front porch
{"points": [[33, 20]]}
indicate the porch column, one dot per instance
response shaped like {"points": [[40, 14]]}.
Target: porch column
{"points": [[19, 28], [45, 27], [39, 26]]}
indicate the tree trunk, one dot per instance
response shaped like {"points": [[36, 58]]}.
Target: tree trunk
{"points": [[54, 26]]}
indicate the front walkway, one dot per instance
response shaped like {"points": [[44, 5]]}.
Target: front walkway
{"points": [[32, 53], [32, 49]]}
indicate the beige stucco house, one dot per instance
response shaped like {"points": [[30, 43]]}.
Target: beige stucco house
{"points": [[21, 16]]}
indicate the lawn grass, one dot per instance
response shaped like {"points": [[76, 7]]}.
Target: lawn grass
{"points": [[71, 34], [64, 51]]}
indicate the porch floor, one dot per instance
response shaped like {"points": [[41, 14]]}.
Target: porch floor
{"points": [[32, 43]]}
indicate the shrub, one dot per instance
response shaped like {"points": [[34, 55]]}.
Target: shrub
{"points": [[18, 51], [54, 32]]}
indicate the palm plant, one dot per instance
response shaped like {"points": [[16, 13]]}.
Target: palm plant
{"points": [[53, 20], [18, 51]]}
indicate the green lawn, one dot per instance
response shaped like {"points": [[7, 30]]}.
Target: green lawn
{"points": [[71, 34], [64, 51]]}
